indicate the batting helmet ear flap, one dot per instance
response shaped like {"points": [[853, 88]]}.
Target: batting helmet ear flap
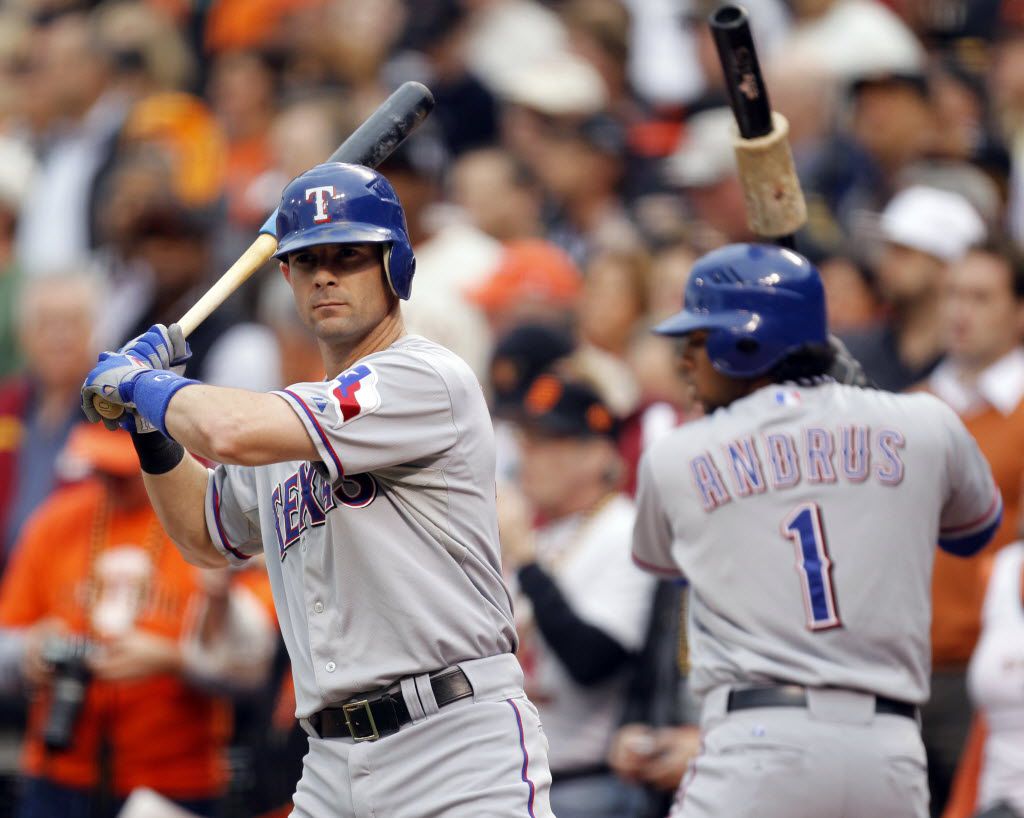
{"points": [[399, 267], [738, 355]]}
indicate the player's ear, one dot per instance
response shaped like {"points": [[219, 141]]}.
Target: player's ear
{"points": [[286, 272]]}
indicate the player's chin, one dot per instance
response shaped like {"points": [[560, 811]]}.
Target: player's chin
{"points": [[334, 328]]}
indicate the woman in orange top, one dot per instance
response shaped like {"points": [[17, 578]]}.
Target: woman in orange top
{"points": [[95, 567]]}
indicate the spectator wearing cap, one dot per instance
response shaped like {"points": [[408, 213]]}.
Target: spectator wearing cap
{"points": [[158, 635], [557, 121], [854, 38], [981, 377], [520, 355], [924, 230], [534, 280], [584, 607]]}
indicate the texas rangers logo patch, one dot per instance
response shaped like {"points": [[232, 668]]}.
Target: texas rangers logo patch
{"points": [[355, 393]]}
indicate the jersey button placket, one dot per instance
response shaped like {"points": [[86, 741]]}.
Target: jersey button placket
{"points": [[318, 607], [330, 667]]}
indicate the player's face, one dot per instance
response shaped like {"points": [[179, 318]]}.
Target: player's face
{"points": [[983, 317], [339, 289], [711, 388]]}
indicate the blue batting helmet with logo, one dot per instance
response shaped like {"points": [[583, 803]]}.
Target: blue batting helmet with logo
{"points": [[337, 203], [758, 303]]}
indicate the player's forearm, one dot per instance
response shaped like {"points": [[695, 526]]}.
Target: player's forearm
{"points": [[236, 426], [179, 499]]}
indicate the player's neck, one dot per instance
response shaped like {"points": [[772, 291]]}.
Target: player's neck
{"points": [[339, 357]]}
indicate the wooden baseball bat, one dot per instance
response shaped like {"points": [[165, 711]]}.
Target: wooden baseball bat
{"points": [[774, 199], [369, 144]]}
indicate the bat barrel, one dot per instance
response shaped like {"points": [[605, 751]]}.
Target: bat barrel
{"points": [[398, 116], [748, 96]]}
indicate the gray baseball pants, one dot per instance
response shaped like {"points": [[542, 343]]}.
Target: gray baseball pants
{"points": [[481, 756], [835, 758]]}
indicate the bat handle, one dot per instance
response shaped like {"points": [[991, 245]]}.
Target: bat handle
{"points": [[748, 96], [111, 411], [258, 254]]}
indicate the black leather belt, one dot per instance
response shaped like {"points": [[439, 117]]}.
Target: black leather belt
{"points": [[745, 698], [372, 717], [561, 776]]}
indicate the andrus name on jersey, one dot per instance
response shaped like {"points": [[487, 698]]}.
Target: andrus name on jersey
{"points": [[814, 455], [305, 499]]}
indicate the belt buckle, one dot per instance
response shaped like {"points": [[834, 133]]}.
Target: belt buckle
{"points": [[354, 707]]}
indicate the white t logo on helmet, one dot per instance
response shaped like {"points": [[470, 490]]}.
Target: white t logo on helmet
{"points": [[320, 194]]}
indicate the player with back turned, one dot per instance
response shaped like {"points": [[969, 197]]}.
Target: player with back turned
{"points": [[804, 514], [372, 495]]}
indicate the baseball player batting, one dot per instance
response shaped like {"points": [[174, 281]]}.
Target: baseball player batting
{"points": [[804, 514], [371, 494]]}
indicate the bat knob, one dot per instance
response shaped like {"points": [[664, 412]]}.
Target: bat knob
{"points": [[111, 411]]}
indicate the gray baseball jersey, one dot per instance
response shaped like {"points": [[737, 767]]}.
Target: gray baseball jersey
{"points": [[384, 557], [805, 519]]}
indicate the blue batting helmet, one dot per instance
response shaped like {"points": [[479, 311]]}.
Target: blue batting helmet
{"points": [[337, 203], [758, 303]]}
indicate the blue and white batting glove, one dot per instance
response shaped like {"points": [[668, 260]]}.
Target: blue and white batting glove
{"points": [[161, 347], [135, 385], [113, 379]]}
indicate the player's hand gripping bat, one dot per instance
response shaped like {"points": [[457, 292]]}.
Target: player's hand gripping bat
{"points": [[370, 144], [775, 202]]}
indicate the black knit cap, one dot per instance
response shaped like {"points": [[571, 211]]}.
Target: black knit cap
{"points": [[519, 356], [562, 407]]}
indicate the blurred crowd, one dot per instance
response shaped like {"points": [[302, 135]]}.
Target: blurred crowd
{"points": [[578, 160]]}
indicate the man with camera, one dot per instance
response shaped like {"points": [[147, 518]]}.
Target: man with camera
{"points": [[120, 641]]}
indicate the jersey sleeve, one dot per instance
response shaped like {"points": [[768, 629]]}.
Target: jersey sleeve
{"points": [[232, 514], [394, 410], [973, 507], [652, 531]]}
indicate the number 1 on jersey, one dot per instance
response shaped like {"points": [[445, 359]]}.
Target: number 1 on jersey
{"points": [[804, 528]]}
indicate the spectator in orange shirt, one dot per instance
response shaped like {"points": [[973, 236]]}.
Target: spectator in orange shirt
{"points": [[95, 569], [982, 379]]}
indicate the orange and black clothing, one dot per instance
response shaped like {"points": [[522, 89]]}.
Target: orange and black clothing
{"points": [[161, 732]]}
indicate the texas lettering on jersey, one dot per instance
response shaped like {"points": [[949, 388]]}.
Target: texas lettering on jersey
{"points": [[748, 466], [306, 498]]}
